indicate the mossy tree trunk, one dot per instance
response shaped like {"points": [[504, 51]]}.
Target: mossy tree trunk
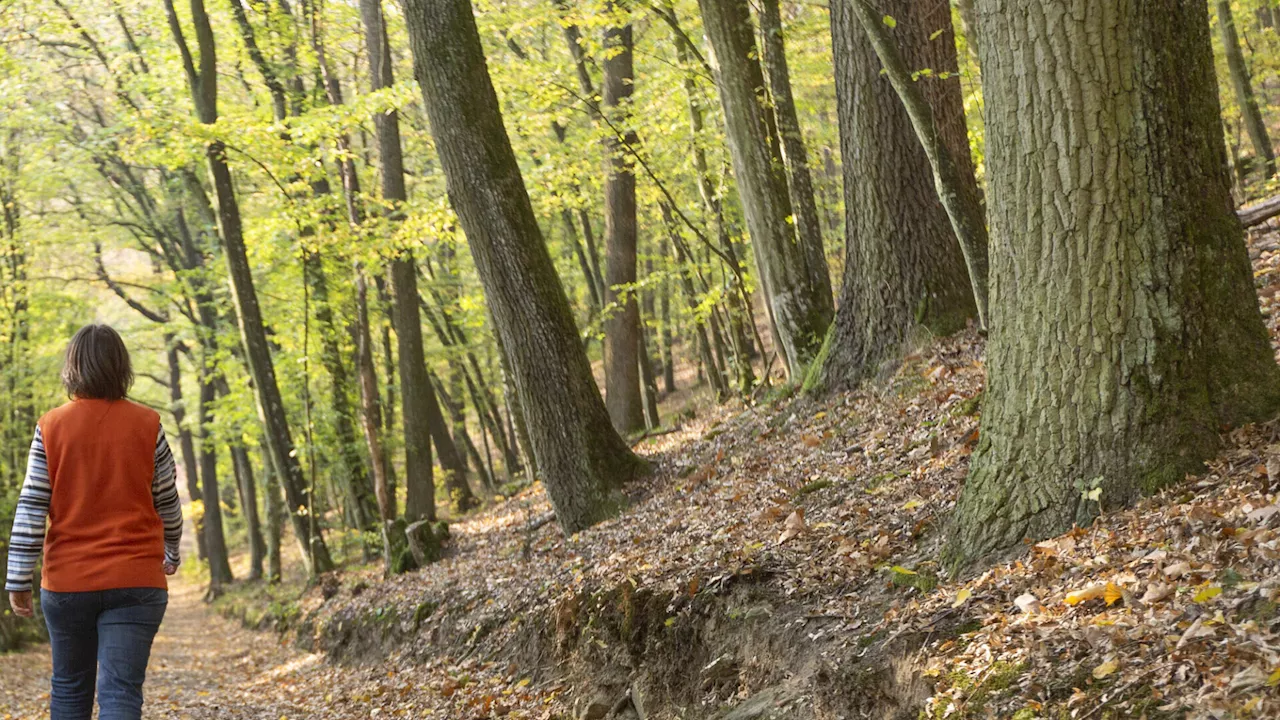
{"points": [[579, 456], [793, 272], [904, 268], [1125, 329]]}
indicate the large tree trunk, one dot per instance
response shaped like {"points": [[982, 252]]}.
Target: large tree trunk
{"points": [[793, 272], [904, 268], [1243, 86], [794, 155], [1124, 324], [204, 94], [622, 325], [580, 457]]}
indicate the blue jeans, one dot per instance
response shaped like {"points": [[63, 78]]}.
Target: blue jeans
{"points": [[106, 634]]}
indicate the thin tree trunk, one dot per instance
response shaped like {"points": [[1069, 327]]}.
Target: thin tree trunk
{"points": [[203, 85], [249, 502], [215, 541], [794, 156], [186, 441], [1176, 347], [1243, 86], [351, 470], [274, 507], [667, 336], [793, 272], [579, 456]]}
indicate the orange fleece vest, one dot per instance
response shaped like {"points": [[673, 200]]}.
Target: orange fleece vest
{"points": [[104, 532]]}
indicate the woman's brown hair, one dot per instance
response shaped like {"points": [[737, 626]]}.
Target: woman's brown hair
{"points": [[97, 365]]}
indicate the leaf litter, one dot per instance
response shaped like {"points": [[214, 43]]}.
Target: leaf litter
{"points": [[1168, 609]]}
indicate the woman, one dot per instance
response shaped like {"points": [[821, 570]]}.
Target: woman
{"points": [[101, 473]]}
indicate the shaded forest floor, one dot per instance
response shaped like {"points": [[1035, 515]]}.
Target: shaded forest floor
{"points": [[779, 562]]}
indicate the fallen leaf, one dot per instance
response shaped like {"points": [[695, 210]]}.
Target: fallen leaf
{"points": [[1157, 592], [1105, 669], [794, 526], [962, 597], [1092, 592], [1112, 594], [1028, 603]]}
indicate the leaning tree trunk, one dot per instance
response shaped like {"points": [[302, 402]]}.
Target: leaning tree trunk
{"points": [[580, 457], [271, 412], [1243, 86], [622, 342], [794, 155], [904, 268], [1124, 328], [793, 272]]}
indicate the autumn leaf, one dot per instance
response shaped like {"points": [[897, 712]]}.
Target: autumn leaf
{"points": [[1112, 594], [794, 526], [1092, 592], [1105, 669], [962, 597], [1207, 593]]}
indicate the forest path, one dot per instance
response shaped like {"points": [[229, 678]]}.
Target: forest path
{"points": [[203, 667]]}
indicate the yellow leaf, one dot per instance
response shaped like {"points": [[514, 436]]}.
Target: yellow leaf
{"points": [[1112, 593], [1274, 680], [888, 20], [1090, 593], [962, 597], [903, 571], [912, 504], [1105, 669], [1209, 592]]}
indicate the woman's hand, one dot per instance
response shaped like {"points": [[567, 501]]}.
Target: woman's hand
{"points": [[21, 604], [170, 568]]}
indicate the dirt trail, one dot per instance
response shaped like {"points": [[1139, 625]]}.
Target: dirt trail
{"points": [[202, 666]]}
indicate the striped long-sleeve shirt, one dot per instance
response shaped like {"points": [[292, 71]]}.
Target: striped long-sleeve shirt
{"points": [[26, 542]]}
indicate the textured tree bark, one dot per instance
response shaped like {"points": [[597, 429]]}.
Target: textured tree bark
{"points": [[622, 394], [271, 411], [1124, 323], [1243, 87], [579, 456], [958, 192], [794, 156], [794, 273], [904, 268]]}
